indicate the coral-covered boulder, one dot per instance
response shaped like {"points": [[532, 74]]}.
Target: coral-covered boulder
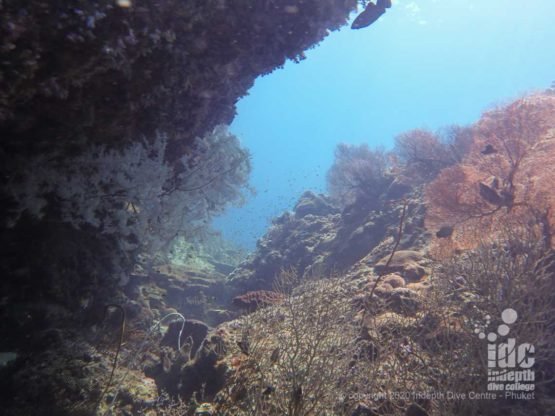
{"points": [[409, 264], [253, 300], [319, 238], [295, 240], [192, 331], [394, 280], [313, 204], [206, 372], [404, 301]]}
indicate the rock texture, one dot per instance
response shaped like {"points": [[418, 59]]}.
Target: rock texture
{"points": [[318, 238], [408, 263], [110, 73], [197, 294], [251, 301], [77, 73]]}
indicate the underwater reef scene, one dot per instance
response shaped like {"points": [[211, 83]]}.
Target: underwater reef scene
{"points": [[422, 282]]}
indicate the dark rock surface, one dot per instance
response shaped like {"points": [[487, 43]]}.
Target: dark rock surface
{"points": [[363, 410], [196, 330], [76, 73], [207, 371], [197, 294], [415, 410]]}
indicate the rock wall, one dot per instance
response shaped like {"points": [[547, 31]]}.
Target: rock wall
{"points": [[319, 238], [107, 71], [111, 72]]}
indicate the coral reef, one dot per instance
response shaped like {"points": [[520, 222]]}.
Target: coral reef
{"points": [[417, 337], [358, 173], [251, 301], [107, 109], [503, 182], [407, 263], [109, 115], [133, 195], [80, 73], [419, 317], [325, 239]]}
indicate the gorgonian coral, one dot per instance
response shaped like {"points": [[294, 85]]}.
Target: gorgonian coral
{"points": [[505, 181], [134, 194]]}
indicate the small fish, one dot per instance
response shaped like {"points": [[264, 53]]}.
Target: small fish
{"points": [[488, 150], [507, 198], [493, 182], [490, 195], [275, 355], [244, 346], [166, 364], [368, 16], [445, 232], [297, 396]]}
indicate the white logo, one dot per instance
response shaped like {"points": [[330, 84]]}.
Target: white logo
{"points": [[509, 364]]}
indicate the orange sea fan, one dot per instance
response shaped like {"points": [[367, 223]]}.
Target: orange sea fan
{"points": [[506, 180]]}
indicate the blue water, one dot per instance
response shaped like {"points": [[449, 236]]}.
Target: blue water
{"points": [[426, 63]]}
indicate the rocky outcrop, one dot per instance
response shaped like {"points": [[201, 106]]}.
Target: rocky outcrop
{"points": [[409, 264], [192, 332], [114, 72], [319, 238], [197, 294], [251, 301], [295, 240], [68, 374], [107, 73]]}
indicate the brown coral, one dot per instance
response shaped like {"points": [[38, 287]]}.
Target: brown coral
{"points": [[509, 186], [253, 300]]}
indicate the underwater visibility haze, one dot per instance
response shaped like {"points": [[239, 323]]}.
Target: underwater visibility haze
{"points": [[423, 64], [277, 208]]}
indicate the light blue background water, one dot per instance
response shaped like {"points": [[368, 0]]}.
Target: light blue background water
{"points": [[425, 63]]}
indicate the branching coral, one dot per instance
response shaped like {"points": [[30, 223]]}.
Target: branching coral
{"points": [[134, 194], [421, 154], [506, 178], [358, 173], [294, 356]]}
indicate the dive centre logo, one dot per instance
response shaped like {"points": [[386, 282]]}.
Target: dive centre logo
{"points": [[509, 364]]}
